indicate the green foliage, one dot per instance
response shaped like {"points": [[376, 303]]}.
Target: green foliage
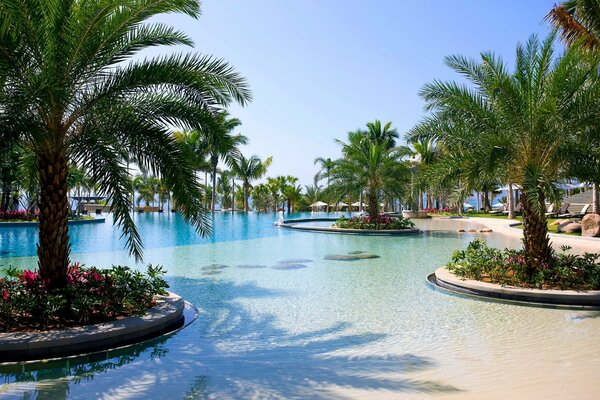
{"points": [[509, 267], [91, 295], [382, 222]]}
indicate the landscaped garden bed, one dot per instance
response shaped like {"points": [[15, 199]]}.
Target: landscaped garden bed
{"points": [[17, 216], [510, 267], [381, 222], [91, 295]]}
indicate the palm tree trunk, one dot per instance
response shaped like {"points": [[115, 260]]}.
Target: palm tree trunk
{"points": [[246, 187], [373, 203], [232, 194], [535, 234], [214, 184], [595, 205], [360, 201], [53, 249], [511, 202]]}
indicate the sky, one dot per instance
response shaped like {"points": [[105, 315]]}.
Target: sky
{"points": [[320, 68]]}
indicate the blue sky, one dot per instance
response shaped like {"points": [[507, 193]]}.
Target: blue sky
{"points": [[319, 68]]}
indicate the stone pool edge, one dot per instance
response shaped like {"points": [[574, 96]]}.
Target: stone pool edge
{"points": [[489, 291], [164, 317]]}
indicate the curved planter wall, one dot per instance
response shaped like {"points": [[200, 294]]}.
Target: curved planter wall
{"points": [[71, 222], [546, 297], [165, 316], [291, 224]]}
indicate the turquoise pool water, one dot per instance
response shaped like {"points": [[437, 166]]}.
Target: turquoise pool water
{"points": [[279, 321]]}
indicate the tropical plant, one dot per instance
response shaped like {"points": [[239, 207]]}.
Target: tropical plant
{"points": [[261, 197], [326, 166], [371, 156], [577, 21], [525, 122], [220, 144], [248, 170], [70, 92]]}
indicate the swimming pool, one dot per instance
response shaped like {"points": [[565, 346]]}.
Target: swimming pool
{"points": [[278, 320]]}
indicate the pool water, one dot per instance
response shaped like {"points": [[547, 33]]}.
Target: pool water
{"points": [[279, 321]]}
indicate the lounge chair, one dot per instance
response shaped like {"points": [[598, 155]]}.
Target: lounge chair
{"points": [[581, 213], [562, 213], [518, 209]]}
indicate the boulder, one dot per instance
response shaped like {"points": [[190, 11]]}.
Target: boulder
{"points": [[460, 230], [590, 225], [570, 228], [472, 230], [560, 221], [563, 223], [485, 230]]}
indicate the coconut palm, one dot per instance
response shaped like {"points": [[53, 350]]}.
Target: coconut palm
{"points": [[70, 92], [261, 197], [248, 170], [220, 144], [527, 122]]}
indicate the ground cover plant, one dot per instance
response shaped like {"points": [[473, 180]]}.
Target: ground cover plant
{"points": [[509, 267], [381, 222], [91, 295]]}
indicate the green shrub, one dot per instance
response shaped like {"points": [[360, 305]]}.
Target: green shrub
{"points": [[509, 267], [91, 295], [382, 222]]}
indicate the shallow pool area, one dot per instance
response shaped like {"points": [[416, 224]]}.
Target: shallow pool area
{"points": [[280, 318]]}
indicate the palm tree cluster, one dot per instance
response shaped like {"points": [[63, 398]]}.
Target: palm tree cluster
{"points": [[71, 94]]}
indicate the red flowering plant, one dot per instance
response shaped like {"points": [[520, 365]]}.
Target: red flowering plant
{"points": [[18, 216], [91, 295], [441, 211], [510, 267], [381, 222]]}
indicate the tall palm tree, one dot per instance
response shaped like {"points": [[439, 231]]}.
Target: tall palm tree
{"points": [[373, 154], [528, 122], [70, 92], [220, 144], [325, 167], [248, 170]]}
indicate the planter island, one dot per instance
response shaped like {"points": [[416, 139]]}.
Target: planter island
{"points": [[444, 279], [303, 224], [165, 316]]}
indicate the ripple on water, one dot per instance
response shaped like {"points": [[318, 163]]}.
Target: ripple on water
{"points": [[295, 261], [251, 266], [214, 267], [346, 257], [287, 267]]}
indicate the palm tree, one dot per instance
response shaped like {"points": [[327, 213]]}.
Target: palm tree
{"points": [[220, 144], [578, 21], [248, 170], [71, 92], [371, 156], [527, 123], [325, 167], [261, 197]]}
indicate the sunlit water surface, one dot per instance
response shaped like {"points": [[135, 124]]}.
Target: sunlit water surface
{"points": [[277, 320]]}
